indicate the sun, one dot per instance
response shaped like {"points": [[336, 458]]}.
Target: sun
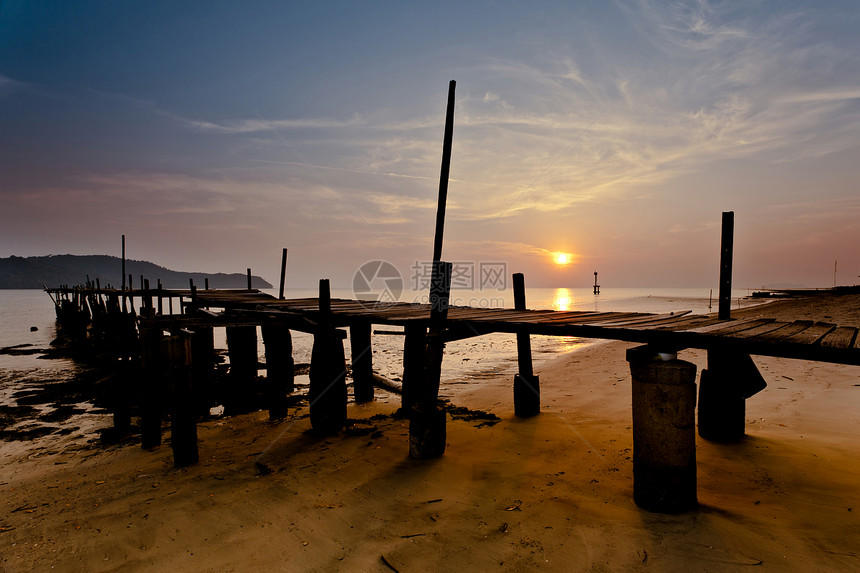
{"points": [[562, 258]]}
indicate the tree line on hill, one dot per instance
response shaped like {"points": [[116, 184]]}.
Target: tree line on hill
{"points": [[56, 270]]}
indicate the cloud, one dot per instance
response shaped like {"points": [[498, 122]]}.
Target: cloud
{"points": [[9, 86]]}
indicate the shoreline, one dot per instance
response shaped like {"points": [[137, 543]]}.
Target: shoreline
{"points": [[552, 492]]}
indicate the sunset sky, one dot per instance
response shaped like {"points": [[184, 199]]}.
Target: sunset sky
{"points": [[213, 134]]}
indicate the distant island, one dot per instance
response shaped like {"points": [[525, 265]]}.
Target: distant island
{"points": [[56, 270]]}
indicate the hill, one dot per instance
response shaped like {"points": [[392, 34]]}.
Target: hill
{"points": [[56, 270]]}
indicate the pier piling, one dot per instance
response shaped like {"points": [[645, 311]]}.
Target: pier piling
{"points": [[664, 438], [362, 361], [176, 351], [526, 384], [280, 368], [327, 393]]}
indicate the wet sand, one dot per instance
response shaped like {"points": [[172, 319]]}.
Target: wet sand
{"points": [[553, 492]]}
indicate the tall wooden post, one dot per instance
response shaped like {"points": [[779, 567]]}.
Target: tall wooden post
{"points": [[526, 384], [664, 436], [362, 361], [427, 433], [726, 248], [249, 278], [280, 368], [283, 274], [183, 425], [327, 393], [446, 169], [123, 262]]}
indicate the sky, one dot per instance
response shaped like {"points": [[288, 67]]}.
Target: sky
{"points": [[214, 134]]}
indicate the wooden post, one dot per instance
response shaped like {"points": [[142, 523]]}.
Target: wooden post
{"points": [[526, 384], [443, 177], [726, 248], [123, 262], [152, 387], [414, 350], [183, 424], [249, 278], [731, 378], [280, 368], [160, 298], [242, 349], [427, 433], [362, 361], [283, 274], [205, 283], [664, 437], [203, 371], [327, 393]]}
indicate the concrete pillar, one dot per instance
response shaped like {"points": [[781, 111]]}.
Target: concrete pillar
{"points": [[664, 435]]}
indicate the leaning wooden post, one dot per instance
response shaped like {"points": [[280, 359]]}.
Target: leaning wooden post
{"points": [[152, 387], [362, 361], [664, 436], [526, 384], [280, 368], [283, 274], [447, 145], [183, 424], [327, 393], [726, 248], [427, 433], [414, 350]]}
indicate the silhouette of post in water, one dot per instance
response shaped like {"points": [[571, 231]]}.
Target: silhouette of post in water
{"points": [[596, 286], [726, 247], [526, 384]]}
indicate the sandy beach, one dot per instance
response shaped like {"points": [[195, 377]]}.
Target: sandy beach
{"points": [[553, 492]]}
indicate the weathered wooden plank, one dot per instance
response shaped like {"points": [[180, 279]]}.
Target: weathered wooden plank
{"points": [[642, 320], [737, 324], [813, 334], [785, 331], [840, 337], [758, 330]]}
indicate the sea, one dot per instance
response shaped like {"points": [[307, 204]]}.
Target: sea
{"points": [[27, 330]]}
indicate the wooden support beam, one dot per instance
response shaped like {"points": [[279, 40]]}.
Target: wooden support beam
{"points": [[183, 420], [726, 249], [526, 384], [280, 368], [414, 350], [327, 393], [443, 177], [242, 349], [362, 361], [203, 371], [730, 378], [664, 437], [152, 389]]}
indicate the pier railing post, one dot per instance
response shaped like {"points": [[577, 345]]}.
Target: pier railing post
{"points": [[526, 384], [427, 433], [664, 436], [327, 393], [362, 361], [280, 368]]}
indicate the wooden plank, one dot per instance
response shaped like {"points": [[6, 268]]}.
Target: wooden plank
{"points": [[690, 322], [743, 323], [646, 319], [758, 330], [739, 326], [785, 331], [812, 334], [840, 337]]}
